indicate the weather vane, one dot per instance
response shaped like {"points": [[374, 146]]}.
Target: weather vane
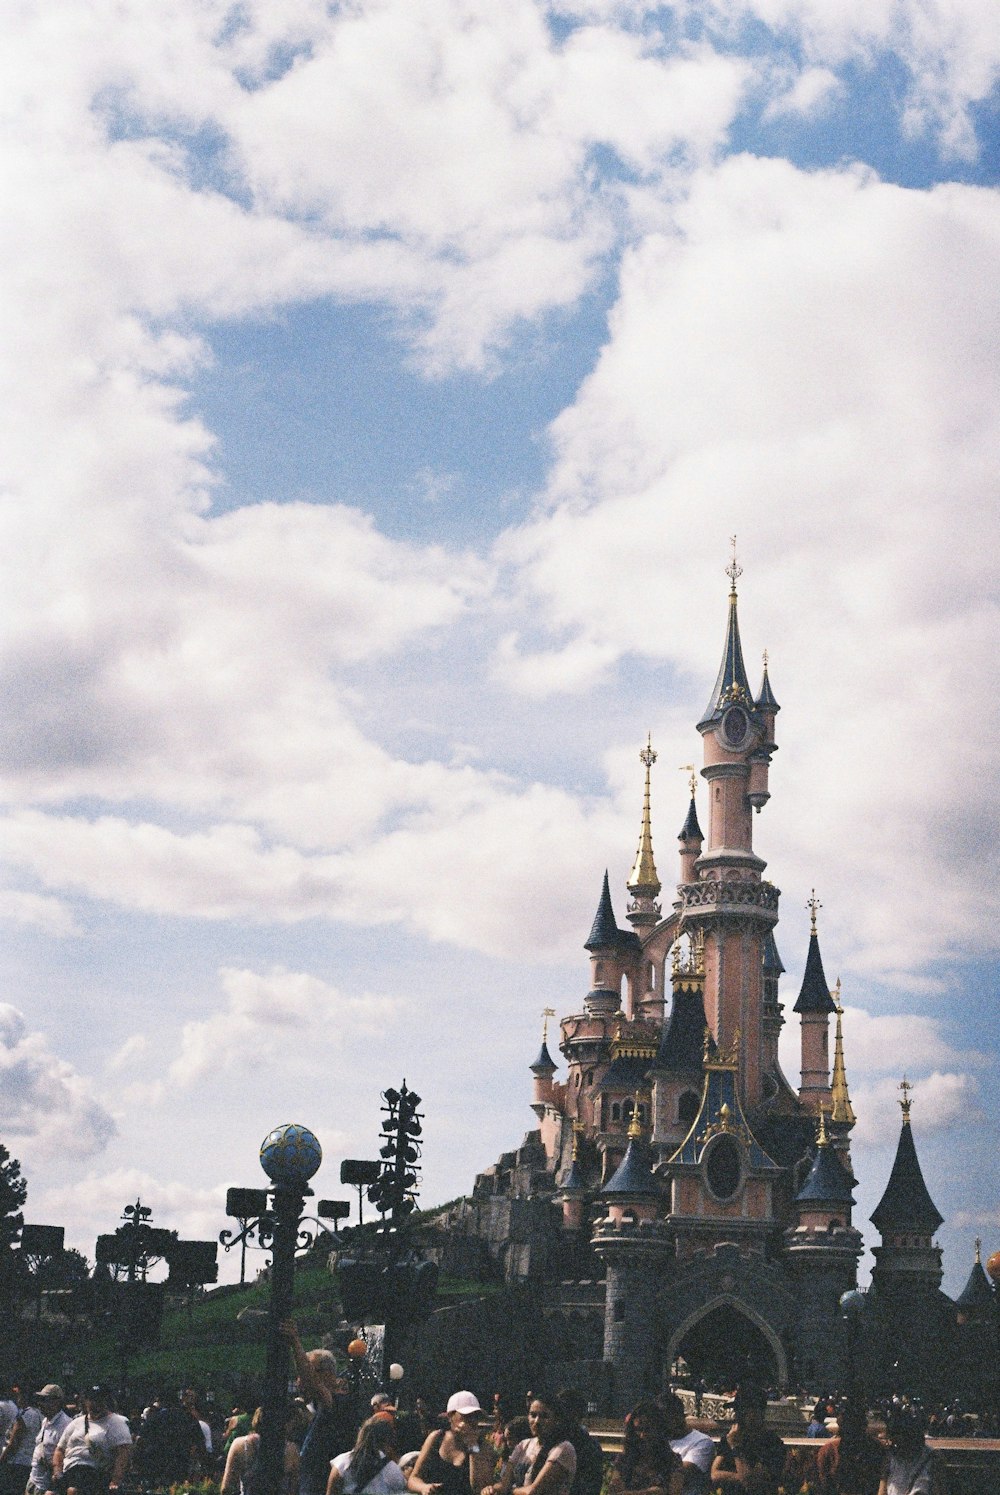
{"points": [[906, 1103], [813, 905], [693, 780], [734, 570], [547, 1012]]}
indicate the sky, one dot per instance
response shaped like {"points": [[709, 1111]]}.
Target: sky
{"points": [[381, 385]]}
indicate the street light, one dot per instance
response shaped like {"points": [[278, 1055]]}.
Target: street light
{"points": [[854, 1310], [289, 1155]]}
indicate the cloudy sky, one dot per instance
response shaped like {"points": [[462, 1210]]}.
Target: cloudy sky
{"points": [[381, 384]]}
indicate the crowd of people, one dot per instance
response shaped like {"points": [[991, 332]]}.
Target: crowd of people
{"points": [[54, 1445]]}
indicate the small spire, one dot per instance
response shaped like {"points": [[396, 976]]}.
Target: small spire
{"points": [[766, 700], [635, 1126], [906, 1103], [813, 905], [731, 685], [643, 882], [604, 933], [979, 1252], [814, 994], [822, 1140], [691, 830], [906, 1204], [843, 1111]]}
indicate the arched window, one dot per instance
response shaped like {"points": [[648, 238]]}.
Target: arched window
{"points": [[643, 1113], [616, 1111], [651, 976], [687, 1107], [590, 1076], [598, 974], [724, 1168]]}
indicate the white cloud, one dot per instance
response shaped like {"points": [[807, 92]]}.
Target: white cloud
{"points": [[813, 89], [280, 1010], [47, 914], [805, 360], [93, 1202], [941, 1102], [47, 1109]]}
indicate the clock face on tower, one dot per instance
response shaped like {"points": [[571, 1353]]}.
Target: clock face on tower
{"points": [[735, 727]]}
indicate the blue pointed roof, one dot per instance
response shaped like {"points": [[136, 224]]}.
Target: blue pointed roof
{"points": [[828, 1182], [683, 1043], [604, 932], [731, 683], [722, 1091], [977, 1292], [691, 830], [765, 696], [771, 960], [544, 1064], [814, 995], [906, 1203], [633, 1174]]}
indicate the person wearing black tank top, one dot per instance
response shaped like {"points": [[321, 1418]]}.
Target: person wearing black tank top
{"points": [[452, 1462]]}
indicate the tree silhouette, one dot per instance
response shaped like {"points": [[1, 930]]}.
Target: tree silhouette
{"points": [[13, 1193]]}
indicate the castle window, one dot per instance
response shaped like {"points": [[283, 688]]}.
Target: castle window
{"points": [[651, 976], [616, 1111], [598, 974], [643, 1113], [724, 1168], [578, 1078], [687, 1108], [590, 1076]]}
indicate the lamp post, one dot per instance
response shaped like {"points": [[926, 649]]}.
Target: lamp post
{"points": [[396, 1374], [289, 1155], [853, 1312]]}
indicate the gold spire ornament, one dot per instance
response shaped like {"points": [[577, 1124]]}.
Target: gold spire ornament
{"points": [[813, 905], [693, 780], [643, 882], [906, 1103], [842, 1112], [635, 1125], [822, 1140]]}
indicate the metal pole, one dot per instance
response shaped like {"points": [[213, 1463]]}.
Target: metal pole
{"points": [[287, 1209]]}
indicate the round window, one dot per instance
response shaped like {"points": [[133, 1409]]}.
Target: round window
{"points": [[724, 1168]]}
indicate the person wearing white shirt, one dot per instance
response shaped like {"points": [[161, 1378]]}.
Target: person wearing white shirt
{"points": [[55, 1421]]}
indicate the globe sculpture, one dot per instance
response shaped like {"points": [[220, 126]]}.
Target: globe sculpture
{"points": [[290, 1155]]}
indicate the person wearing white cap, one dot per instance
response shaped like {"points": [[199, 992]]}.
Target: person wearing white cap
{"points": [[452, 1462], [54, 1420]]}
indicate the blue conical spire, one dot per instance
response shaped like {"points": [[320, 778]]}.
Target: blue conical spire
{"points": [[732, 683], [604, 932], [906, 1204]]}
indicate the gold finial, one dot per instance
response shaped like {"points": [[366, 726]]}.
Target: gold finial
{"points": [[906, 1103], [822, 1139], [675, 958], [843, 1111], [693, 780], [635, 1126], [547, 1012], [734, 570], [813, 905], [577, 1134], [643, 881], [979, 1251]]}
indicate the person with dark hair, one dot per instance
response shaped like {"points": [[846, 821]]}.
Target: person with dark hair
{"points": [[19, 1445], [852, 1461], [589, 1475], [750, 1459], [546, 1463], [452, 1460], [95, 1449], [371, 1467], [911, 1468], [169, 1445], [695, 1450], [647, 1464]]}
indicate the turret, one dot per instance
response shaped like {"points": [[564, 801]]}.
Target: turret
{"points": [[766, 709], [690, 836], [814, 1006], [644, 884], [841, 1111], [604, 944], [906, 1218], [543, 1069], [677, 1069], [975, 1301], [573, 1188]]}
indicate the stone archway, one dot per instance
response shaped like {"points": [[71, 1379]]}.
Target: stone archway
{"points": [[725, 1342]]}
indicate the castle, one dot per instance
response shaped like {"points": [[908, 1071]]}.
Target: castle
{"points": [[680, 1199]]}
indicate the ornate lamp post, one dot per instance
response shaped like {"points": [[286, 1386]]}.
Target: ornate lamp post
{"points": [[289, 1155], [853, 1312]]}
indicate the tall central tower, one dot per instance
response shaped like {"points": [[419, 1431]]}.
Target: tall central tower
{"points": [[729, 906]]}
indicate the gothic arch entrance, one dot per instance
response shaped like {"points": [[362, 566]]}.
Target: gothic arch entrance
{"points": [[725, 1342]]}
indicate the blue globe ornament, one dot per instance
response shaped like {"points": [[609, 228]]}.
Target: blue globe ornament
{"points": [[290, 1155]]}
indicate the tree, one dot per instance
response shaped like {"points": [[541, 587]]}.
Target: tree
{"points": [[13, 1193]]}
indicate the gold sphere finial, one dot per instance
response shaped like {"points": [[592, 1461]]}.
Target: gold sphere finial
{"points": [[734, 570], [813, 905]]}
